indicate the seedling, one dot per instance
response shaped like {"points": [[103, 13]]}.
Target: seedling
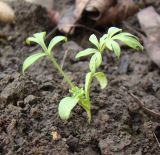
{"points": [[80, 95]]}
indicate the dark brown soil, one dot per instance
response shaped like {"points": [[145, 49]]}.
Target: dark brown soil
{"points": [[28, 104]]}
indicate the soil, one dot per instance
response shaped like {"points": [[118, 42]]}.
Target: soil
{"points": [[29, 122]]}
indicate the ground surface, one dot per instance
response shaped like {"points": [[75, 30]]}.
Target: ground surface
{"points": [[28, 104]]}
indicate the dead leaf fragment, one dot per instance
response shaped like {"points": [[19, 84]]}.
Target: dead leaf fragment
{"points": [[6, 13], [71, 16], [101, 12], [149, 20], [116, 12]]}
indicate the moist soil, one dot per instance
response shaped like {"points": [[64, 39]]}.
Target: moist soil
{"points": [[29, 122]]}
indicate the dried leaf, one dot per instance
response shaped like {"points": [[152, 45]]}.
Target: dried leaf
{"points": [[71, 16], [149, 20], [117, 12], [102, 12]]}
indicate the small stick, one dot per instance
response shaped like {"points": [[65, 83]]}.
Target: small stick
{"points": [[54, 30], [64, 58], [142, 106], [84, 27], [156, 139], [135, 30]]}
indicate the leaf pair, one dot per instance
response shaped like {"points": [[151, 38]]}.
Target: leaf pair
{"points": [[39, 39], [115, 34]]}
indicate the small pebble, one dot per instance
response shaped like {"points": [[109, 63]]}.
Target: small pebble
{"points": [[55, 135]]}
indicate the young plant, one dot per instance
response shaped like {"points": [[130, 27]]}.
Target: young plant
{"points": [[79, 95]]}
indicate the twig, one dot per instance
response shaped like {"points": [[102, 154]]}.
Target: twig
{"points": [[76, 25], [156, 139], [64, 58], [135, 30], [87, 28], [142, 106]]}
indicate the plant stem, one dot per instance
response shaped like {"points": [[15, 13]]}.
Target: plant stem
{"points": [[87, 106], [61, 71], [88, 89]]}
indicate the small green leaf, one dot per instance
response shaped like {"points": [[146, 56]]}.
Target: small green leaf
{"points": [[40, 35], [101, 79], [86, 52], [116, 48], [95, 61], [102, 42], [39, 39], [65, 107], [93, 39], [55, 41], [108, 43], [129, 35], [129, 40], [87, 82], [77, 92], [112, 31], [31, 59], [31, 39]]}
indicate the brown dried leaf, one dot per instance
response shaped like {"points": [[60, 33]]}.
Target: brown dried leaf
{"points": [[96, 8], [71, 16], [117, 12], [149, 20], [103, 12]]}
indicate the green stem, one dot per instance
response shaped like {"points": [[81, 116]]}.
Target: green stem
{"points": [[87, 106], [88, 110], [61, 71], [88, 89], [44, 47]]}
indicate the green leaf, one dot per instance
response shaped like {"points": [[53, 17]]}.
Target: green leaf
{"points": [[129, 40], [129, 35], [108, 43], [112, 31], [88, 82], [65, 107], [31, 59], [95, 61], [102, 42], [116, 48], [40, 35], [101, 79], [93, 39], [55, 41], [86, 52], [31, 39], [37, 38], [77, 92]]}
